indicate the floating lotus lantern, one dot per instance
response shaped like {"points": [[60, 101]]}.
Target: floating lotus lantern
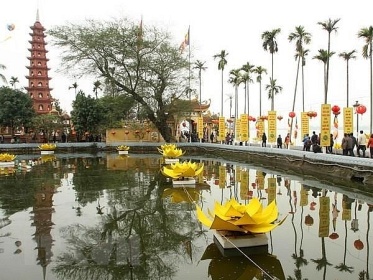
{"points": [[123, 149], [246, 222], [7, 160], [47, 148], [183, 173], [170, 153]]}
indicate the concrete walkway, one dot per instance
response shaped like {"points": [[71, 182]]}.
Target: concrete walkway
{"points": [[293, 152]]}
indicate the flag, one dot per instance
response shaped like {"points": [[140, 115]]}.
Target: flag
{"points": [[185, 42]]}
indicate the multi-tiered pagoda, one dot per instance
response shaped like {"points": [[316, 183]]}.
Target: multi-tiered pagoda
{"points": [[38, 80]]}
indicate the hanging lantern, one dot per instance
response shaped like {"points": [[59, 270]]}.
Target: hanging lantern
{"points": [[250, 118], [126, 132], [358, 244], [291, 114], [184, 124], [253, 185], [254, 119], [334, 236], [336, 110], [311, 114], [308, 220], [279, 118], [361, 109]]}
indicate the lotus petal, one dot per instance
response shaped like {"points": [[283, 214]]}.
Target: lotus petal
{"points": [[220, 224], [202, 217]]}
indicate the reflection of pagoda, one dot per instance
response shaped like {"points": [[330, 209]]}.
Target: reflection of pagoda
{"points": [[38, 80], [43, 209]]}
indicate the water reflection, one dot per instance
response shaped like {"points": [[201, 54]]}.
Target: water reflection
{"points": [[117, 217]]}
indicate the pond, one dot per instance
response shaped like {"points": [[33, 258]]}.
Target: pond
{"points": [[110, 216]]}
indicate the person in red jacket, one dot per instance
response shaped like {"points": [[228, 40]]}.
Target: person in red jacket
{"points": [[370, 145]]}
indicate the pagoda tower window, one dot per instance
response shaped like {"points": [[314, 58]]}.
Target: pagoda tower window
{"points": [[40, 84], [39, 63], [39, 54], [40, 95], [39, 73], [32, 84], [40, 107]]}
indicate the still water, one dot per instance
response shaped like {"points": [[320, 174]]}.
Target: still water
{"points": [[106, 216]]}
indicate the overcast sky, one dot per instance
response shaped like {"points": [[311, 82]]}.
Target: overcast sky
{"points": [[233, 26]]}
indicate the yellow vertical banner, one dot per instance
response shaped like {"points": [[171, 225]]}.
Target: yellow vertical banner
{"points": [[272, 127], [200, 127], [303, 197], [271, 189], [260, 179], [348, 120], [244, 128], [237, 133], [222, 176], [324, 216], [238, 174], [325, 125], [244, 187], [305, 121], [221, 129], [260, 128]]}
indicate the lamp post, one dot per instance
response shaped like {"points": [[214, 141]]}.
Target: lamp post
{"points": [[357, 116]]}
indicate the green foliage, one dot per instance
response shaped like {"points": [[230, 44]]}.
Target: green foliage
{"points": [[47, 123], [16, 108], [117, 109], [87, 113], [150, 69]]}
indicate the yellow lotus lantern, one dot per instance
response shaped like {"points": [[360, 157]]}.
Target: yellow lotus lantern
{"points": [[171, 153], [183, 172], [232, 216], [5, 157], [47, 148], [123, 149], [7, 160]]}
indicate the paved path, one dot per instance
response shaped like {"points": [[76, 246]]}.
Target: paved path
{"points": [[294, 151]]}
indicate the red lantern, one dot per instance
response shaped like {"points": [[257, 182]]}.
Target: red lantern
{"points": [[279, 118], [253, 185], [312, 114], [336, 110], [254, 119], [361, 109], [334, 236], [184, 124], [358, 244], [291, 114], [126, 132], [250, 118], [308, 221]]}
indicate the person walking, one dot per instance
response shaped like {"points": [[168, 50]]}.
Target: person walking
{"points": [[361, 143], [344, 144], [264, 140], [354, 144], [279, 142], [370, 145], [287, 141], [350, 145]]}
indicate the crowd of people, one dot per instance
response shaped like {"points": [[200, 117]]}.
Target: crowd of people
{"points": [[349, 144]]}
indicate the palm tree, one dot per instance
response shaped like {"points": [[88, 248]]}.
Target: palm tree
{"points": [[304, 54], [347, 56], [329, 26], [221, 65], [301, 37], [246, 78], [367, 34], [235, 79], [96, 87], [270, 44], [272, 88], [259, 70], [13, 81], [74, 86], [201, 67], [324, 56], [2, 77]]}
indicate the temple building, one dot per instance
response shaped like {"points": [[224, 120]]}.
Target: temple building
{"points": [[38, 79]]}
